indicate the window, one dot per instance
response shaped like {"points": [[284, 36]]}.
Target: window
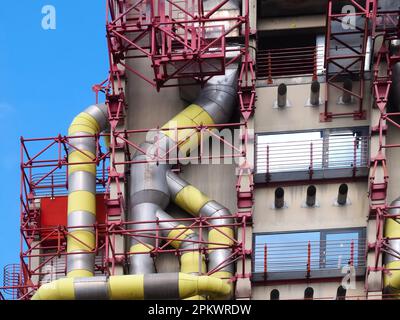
{"points": [[287, 55], [311, 154], [274, 295], [309, 254]]}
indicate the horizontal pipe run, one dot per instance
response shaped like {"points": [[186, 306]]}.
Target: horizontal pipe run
{"points": [[132, 287]]}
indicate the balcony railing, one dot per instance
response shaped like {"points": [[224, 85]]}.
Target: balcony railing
{"points": [[288, 62], [338, 156], [56, 184], [308, 259]]}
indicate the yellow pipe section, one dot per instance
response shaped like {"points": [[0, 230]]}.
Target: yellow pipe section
{"points": [[392, 278], [192, 262], [192, 116], [192, 200], [81, 200], [131, 287]]}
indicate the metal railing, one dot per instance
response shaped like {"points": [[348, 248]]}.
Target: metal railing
{"points": [[332, 153], [11, 282], [387, 21], [307, 258], [56, 184], [286, 62]]}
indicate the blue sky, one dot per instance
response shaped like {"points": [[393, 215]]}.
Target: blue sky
{"points": [[46, 79]]}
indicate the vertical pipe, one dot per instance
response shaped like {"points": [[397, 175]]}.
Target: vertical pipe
{"points": [[81, 241], [269, 68], [265, 262], [267, 163], [314, 95], [282, 91], [308, 259], [279, 198], [347, 86], [311, 196], [315, 67], [342, 194], [352, 253], [311, 158]]}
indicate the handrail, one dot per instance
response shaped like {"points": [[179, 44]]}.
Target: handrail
{"points": [[272, 63], [335, 152], [308, 256]]}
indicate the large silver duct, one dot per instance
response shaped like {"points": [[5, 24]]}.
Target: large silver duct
{"points": [[149, 191]]}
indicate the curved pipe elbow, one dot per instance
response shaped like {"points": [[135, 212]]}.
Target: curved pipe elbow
{"points": [[61, 289]]}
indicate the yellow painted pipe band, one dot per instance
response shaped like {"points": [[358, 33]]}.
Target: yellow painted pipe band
{"points": [[191, 199]]}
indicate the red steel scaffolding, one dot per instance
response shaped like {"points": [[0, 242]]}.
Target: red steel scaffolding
{"points": [[345, 52], [44, 231]]}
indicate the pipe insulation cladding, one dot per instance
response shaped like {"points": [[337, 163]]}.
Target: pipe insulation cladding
{"points": [[149, 190], [82, 189], [132, 287], [151, 187]]}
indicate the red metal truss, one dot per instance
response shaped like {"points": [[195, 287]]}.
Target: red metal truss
{"points": [[386, 25], [174, 35], [345, 52], [173, 155], [179, 39], [198, 224], [44, 185]]}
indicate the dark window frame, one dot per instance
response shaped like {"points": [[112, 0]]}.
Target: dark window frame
{"points": [[317, 173], [360, 268]]}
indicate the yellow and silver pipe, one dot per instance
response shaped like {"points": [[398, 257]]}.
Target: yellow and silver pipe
{"points": [[149, 195], [82, 189], [149, 191], [220, 236], [132, 287], [192, 261], [391, 279]]}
